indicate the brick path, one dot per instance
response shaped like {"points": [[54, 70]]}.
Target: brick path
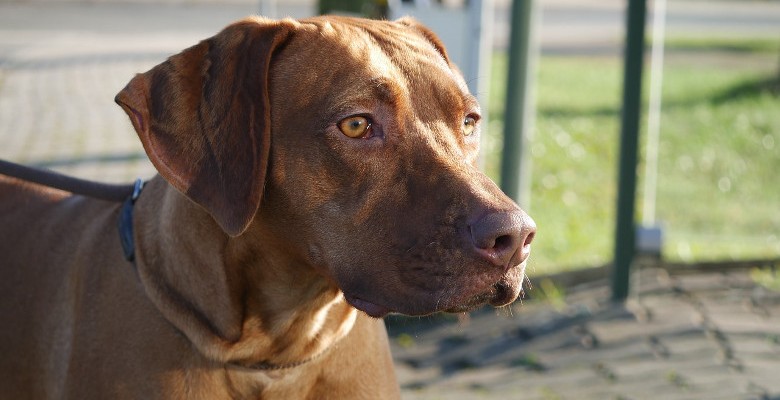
{"points": [[697, 336]]}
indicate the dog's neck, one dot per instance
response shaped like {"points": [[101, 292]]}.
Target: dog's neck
{"points": [[238, 300]]}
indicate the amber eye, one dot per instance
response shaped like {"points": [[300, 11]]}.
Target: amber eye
{"points": [[355, 127], [469, 125]]}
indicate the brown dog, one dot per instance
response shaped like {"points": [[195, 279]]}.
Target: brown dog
{"points": [[359, 137]]}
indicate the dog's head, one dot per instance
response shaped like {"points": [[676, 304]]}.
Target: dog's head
{"points": [[361, 139]]}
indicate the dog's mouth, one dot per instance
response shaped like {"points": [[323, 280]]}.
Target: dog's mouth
{"points": [[500, 294]]}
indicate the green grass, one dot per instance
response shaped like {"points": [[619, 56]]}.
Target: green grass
{"points": [[729, 44], [719, 166]]}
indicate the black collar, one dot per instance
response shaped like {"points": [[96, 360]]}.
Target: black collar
{"points": [[126, 222]]}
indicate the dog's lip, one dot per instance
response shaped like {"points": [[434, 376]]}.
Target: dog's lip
{"points": [[502, 294], [372, 309], [499, 294], [471, 304]]}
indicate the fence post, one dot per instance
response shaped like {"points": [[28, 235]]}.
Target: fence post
{"points": [[518, 114], [625, 225]]}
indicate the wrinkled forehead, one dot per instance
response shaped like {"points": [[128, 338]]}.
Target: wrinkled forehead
{"points": [[340, 52]]}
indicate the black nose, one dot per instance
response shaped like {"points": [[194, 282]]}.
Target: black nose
{"points": [[504, 238]]}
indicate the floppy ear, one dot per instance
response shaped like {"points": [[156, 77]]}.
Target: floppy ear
{"points": [[203, 117]]}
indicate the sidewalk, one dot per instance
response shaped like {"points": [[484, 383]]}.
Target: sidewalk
{"points": [[696, 336]]}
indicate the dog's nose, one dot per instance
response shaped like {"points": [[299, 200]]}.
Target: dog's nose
{"points": [[504, 238]]}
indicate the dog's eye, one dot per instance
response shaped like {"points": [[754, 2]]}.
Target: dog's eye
{"points": [[469, 124], [355, 127]]}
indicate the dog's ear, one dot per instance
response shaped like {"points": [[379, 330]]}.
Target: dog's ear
{"points": [[203, 117], [428, 34]]}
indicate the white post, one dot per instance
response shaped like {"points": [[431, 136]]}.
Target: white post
{"points": [[649, 236], [267, 8], [481, 40], [654, 114]]}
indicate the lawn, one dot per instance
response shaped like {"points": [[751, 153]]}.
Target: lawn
{"points": [[719, 162]]}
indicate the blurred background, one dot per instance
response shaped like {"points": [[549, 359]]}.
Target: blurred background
{"points": [[707, 190]]}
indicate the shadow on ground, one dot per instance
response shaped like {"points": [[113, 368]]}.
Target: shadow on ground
{"points": [[685, 333]]}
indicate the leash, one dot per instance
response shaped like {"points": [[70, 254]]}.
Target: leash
{"points": [[102, 191], [127, 194]]}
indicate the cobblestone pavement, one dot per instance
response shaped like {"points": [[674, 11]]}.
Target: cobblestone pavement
{"points": [[694, 336]]}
